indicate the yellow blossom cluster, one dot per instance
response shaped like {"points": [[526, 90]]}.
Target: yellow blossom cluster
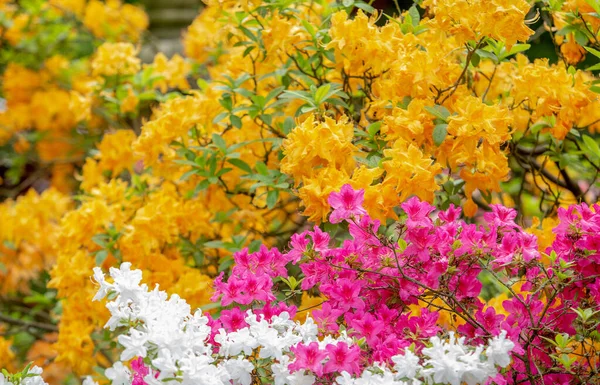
{"points": [[28, 237], [114, 59], [475, 19]]}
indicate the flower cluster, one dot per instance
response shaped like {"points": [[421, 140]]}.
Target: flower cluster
{"points": [[172, 345]]}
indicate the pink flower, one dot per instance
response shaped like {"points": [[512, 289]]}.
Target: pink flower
{"points": [[342, 358], [365, 325], [320, 239], [417, 212], [346, 204], [308, 357], [327, 317], [139, 371], [233, 319], [501, 216], [256, 288], [298, 242], [451, 214], [230, 291], [269, 311], [344, 293]]}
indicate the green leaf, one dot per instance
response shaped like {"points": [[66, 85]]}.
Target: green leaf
{"points": [[518, 48], [273, 93], [593, 51], [240, 164], [219, 142], [475, 59], [202, 84], [101, 239], [592, 146], [439, 133], [365, 7], [374, 128], [272, 197], [219, 117], [322, 93], [226, 102], [214, 244], [262, 168], [236, 121], [309, 28], [101, 257], [438, 111], [288, 125], [488, 55], [414, 15]]}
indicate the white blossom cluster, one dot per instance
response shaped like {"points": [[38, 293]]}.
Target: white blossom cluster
{"points": [[445, 362], [175, 345]]}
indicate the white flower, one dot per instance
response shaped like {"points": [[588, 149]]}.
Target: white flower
{"points": [[4, 380], [105, 287], [118, 374], [406, 365], [240, 371], [236, 342], [299, 378], [127, 281], [165, 363], [36, 379], [498, 350], [443, 364], [89, 381], [308, 330], [476, 371], [280, 371], [134, 344]]}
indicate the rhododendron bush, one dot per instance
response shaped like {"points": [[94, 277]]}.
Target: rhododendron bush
{"points": [[317, 192]]}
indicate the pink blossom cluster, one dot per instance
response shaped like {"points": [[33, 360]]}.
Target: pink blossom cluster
{"points": [[371, 282]]}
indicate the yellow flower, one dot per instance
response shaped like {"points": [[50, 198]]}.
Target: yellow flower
{"points": [[502, 20], [130, 102], [113, 59], [410, 172], [315, 191], [572, 52], [173, 72], [114, 20], [314, 144], [7, 356], [19, 84]]}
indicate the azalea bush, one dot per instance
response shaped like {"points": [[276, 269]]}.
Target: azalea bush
{"points": [[175, 166]]}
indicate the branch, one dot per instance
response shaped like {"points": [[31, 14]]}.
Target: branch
{"points": [[28, 324]]}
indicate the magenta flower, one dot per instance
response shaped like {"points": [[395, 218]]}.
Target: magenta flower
{"points": [[365, 325], [503, 217], [298, 244], [308, 357], [233, 319], [342, 358], [327, 317], [417, 212], [139, 371], [346, 204]]}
